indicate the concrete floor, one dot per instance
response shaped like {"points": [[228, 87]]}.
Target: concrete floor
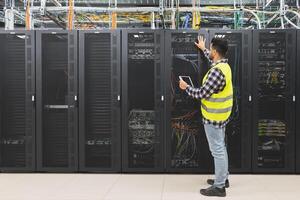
{"points": [[142, 187]]}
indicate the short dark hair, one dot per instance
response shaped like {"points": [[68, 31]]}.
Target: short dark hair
{"points": [[220, 45]]}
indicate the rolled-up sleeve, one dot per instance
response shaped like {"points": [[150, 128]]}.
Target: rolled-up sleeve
{"points": [[206, 54]]}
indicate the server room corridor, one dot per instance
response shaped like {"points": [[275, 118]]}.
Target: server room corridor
{"points": [[149, 99]]}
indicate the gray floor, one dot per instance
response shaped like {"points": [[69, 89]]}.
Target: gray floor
{"points": [[140, 187]]}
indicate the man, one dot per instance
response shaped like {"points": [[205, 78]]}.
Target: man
{"points": [[216, 94]]}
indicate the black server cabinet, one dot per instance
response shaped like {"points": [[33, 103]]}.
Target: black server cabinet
{"points": [[142, 101], [298, 105], [57, 112], [238, 130], [17, 109], [186, 145], [274, 101], [99, 101]]}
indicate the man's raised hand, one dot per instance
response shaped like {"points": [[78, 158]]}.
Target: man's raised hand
{"points": [[201, 42]]}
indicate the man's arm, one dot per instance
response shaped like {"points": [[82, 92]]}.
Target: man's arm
{"points": [[214, 83], [206, 54]]}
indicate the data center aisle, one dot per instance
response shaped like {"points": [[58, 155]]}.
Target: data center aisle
{"points": [[141, 187]]}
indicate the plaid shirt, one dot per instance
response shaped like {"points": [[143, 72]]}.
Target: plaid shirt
{"points": [[214, 84]]}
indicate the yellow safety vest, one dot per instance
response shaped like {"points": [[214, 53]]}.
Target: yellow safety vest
{"points": [[218, 107]]}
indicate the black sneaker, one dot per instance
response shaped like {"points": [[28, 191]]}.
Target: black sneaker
{"points": [[212, 181], [214, 192]]}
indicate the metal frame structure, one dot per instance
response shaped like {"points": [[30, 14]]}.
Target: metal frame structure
{"points": [[264, 12], [114, 118], [29, 103], [289, 103]]}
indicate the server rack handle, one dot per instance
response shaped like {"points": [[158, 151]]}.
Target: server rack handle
{"points": [[33, 99], [75, 102], [117, 100], [160, 100], [294, 98]]}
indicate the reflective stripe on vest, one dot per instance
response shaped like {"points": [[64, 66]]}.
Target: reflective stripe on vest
{"points": [[211, 99], [212, 110]]}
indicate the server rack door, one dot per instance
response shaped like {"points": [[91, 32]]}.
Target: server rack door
{"points": [[142, 100], [186, 145], [274, 108], [17, 110], [99, 97], [298, 105], [238, 130], [57, 143]]}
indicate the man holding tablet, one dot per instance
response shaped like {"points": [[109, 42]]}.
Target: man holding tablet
{"points": [[216, 94]]}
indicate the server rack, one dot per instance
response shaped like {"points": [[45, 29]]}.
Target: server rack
{"points": [[298, 105], [99, 101], [57, 112], [142, 101], [186, 145], [17, 109], [238, 131], [273, 101]]}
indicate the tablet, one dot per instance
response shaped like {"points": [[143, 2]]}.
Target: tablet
{"points": [[187, 79]]}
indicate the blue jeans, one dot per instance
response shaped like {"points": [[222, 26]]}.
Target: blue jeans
{"points": [[217, 147]]}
